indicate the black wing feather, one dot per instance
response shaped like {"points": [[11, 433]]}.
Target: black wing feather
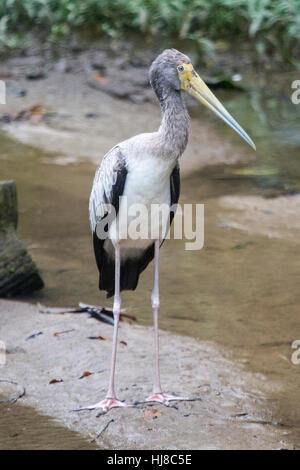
{"points": [[130, 269]]}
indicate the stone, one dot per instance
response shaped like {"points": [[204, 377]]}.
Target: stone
{"points": [[18, 273]]}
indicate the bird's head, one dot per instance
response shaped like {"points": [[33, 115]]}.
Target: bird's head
{"points": [[172, 70]]}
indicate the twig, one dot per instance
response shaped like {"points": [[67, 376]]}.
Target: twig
{"points": [[34, 335], [63, 332], [103, 430], [14, 399], [259, 421], [104, 314], [57, 310]]}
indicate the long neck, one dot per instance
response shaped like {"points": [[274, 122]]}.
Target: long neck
{"points": [[174, 128]]}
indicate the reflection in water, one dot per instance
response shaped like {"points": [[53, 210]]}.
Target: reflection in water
{"points": [[241, 290], [273, 121]]}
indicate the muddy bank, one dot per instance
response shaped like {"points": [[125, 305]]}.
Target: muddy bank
{"points": [[232, 414], [82, 116]]}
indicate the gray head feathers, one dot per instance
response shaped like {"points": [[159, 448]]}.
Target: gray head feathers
{"points": [[165, 82], [170, 57], [164, 75]]}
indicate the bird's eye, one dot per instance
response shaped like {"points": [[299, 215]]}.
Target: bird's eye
{"points": [[180, 68]]}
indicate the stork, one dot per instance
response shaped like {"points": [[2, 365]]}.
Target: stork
{"points": [[145, 170]]}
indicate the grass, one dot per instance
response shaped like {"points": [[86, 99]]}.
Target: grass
{"points": [[270, 26]]}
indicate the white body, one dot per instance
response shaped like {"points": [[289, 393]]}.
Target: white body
{"points": [[147, 184]]}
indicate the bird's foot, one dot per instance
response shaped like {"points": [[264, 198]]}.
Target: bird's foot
{"points": [[105, 405], [166, 399]]}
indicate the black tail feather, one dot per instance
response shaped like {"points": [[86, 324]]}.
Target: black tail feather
{"points": [[131, 268]]}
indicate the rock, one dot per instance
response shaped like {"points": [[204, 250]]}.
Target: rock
{"points": [[16, 91], [92, 115], [99, 61], [113, 87], [36, 73], [142, 58], [132, 84], [8, 206], [63, 66], [18, 273]]}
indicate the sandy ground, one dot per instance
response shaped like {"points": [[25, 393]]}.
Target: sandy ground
{"points": [[275, 218], [229, 416]]}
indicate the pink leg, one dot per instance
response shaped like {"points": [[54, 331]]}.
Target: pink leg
{"points": [[157, 394], [110, 400], [155, 306]]}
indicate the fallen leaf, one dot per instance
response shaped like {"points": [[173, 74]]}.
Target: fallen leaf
{"points": [[99, 78], [123, 342], [4, 75], [86, 374], [55, 381], [126, 315], [34, 114], [152, 413]]}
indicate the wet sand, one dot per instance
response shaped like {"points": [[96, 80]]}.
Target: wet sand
{"points": [[23, 428]]}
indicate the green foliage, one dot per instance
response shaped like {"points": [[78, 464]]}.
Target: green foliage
{"points": [[7, 40], [268, 24]]}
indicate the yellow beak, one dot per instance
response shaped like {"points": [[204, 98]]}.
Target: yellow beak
{"points": [[195, 86]]}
